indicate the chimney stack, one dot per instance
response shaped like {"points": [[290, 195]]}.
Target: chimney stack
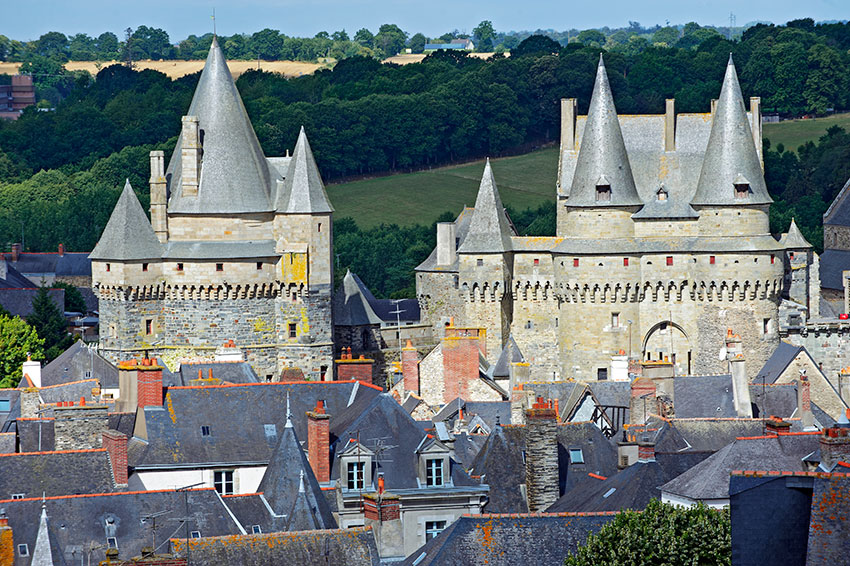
{"points": [[191, 156], [360, 369], [32, 368], [7, 541], [446, 243], [775, 425], [318, 442], [755, 111], [116, 445], [61, 250], [835, 443], [643, 400], [740, 383], [646, 450], [541, 456], [804, 402], [139, 385], [410, 368], [16, 252], [79, 427], [670, 125], [382, 512], [568, 124], [159, 219], [627, 451], [461, 350]]}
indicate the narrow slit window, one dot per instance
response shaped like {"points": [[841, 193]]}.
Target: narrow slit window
{"points": [[259, 266], [536, 262], [144, 267], [293, 331], [669, 260], [712, 259], [625, 262], [108, 268], [575, 262], [179, 267]]}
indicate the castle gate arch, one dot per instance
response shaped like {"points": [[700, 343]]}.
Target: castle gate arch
{"points": [[668, 339]]}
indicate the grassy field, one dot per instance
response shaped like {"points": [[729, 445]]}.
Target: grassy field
{"points": [[177, 69], [524, 181], [794, 133]]}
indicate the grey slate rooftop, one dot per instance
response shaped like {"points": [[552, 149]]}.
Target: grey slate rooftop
{"points": [[489, 230], [838, 212], [794, 239], [508, 540], [832, 263], [355, 305], [228, 372], [55, 473], [462, 223], [77, 363], [128, 234], [235, 176], [302, 191]]}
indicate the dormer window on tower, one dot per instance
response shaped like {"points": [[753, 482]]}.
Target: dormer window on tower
{"points": [[603, 190], [742, 187], [661, 194]]}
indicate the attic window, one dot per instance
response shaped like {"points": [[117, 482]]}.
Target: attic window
{"points": [[179, 267], [144, 267], [23, 550], [434, 472], [603, 193], [256, 530], [576, 456], [536, 262], [219, 267], [433, 529], [196, 534], [661, 194], [223, 482], [205, 430], [479, 262], [17, 496], [356, 475], [112, 542], [742, 190], [609, 493], [108, 268], [269, 429]]}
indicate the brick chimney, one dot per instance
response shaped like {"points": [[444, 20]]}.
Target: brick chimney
{"points": [[775, 425], [461, 348], [643, 400], [61, 250], [541, 456], [382, 512], [139, 385], [116, 445], [740, 383], [804, 402], [7, 541], [627, 451], [318, 442], [646, 450], [410, 368], [835, 443], [360, 369], [16, 252]]}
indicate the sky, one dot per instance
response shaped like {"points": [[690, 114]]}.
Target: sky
{"points": [[28, 19]]}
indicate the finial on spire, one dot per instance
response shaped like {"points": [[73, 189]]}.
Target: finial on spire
{"points": [[213, 20], [301, 483], [288, 412], [601, 60], [731, 62]]}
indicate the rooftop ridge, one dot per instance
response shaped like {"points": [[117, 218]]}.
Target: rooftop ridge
{"points": [[243, 494], [114, 494], [784, 473], [87, 450], [542, 515], [273, 383], [778, 434]]}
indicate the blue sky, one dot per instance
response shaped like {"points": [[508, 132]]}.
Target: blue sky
{"points": [[27, 19]]}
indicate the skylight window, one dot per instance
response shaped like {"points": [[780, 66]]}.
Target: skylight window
{"points": [[205, 430], [576, 456], [609, 493]]}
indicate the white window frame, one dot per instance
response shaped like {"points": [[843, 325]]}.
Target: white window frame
{"points": [[354, 468], [435, 530], [221, 479], [435, 467]]}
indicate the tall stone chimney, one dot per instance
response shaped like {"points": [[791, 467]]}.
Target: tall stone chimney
{"points": [[191, 156], [804, 402], [740, 383], [79, 427], [541, 456], [755, 125], [835, 444], [568, 124], [16, 252], [61, 250], [446, 243], [159, 220], [410, 368], [318, 442], [670, 125]]}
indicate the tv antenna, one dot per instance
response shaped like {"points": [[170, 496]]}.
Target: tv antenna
{"points": [[397, 312], [732, 22], [152, 517]]}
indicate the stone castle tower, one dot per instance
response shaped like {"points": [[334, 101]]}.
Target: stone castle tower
{"points": [[238, 247], [662, 244]]}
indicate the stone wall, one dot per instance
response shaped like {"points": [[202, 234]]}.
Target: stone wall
{"points": [[829, 345], [836, 237], [360, 339], [439, 299], [80, 427]]}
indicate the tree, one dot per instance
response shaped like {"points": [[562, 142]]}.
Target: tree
{"points": [[17, 339], [151, 43], [390, 39], [50, 324], [364, 37], [666, 36], [340, 35], [74, 301], [267, 44], [53, 45], [536, 45], [417, 43], [107, 46], [660, 534], [592, 38], [484, 34]]}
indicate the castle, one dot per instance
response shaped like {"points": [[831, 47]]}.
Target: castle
{"points": [[238, 247], [662, 244]]}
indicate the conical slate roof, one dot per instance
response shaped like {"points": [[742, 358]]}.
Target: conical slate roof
{"points": [[352, 303], [489, 229], [510, 354], [235, 176], [794, 239], [42, 554], [731, 157], [280, 484], [602, 157], [128, 234], [302, 191]]}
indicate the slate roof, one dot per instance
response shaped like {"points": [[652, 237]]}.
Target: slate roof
{"points": [[510, 354], [353, 546], [35, 435], [13, 397], [11, 278], [602, 157], [235, 176], [227, 249], [778, 362], [77, 521], [701, 435], [710, 478], [291, 489], [123, 422], [46, 263], [838, 213], [71, 391], [832, 263], [461, 228], [382, 424], [708, 396], [55, 473], [695, 244], [490, 230], [128, 234], [501, 540], [467, 446], [731, 155], [302, 191], [673, 207], [18, 302], [352, 303], [233, 439], [794, 239], [488, 411], [229, 372], [75, 363], [500, 462], [633, 488]]}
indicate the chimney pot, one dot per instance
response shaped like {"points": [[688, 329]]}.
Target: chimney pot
{"points": [[209, 373], [82, 401], [61, 250]]}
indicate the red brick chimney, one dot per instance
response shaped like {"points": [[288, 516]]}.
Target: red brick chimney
{"points": [[16, 252], [318, 442], [775, 425], [461, 348], [116, 445], [348, 369], [410, 368], [646, 450], [382, 512], [61, 250], [149, 383], [644, 401]]}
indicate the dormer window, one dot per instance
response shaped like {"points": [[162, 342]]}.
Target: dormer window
{"points": [[661, 194], [434, 464], [742, 187], [355, 467], [434, 472], [603, 193]]}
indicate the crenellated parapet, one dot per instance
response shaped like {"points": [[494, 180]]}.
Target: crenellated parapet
{"points": [[483, 291], [210, 292], [667, 291], [534, 291]]}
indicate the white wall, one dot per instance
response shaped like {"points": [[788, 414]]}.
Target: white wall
{"points": [[245, 480], [680, 501]]}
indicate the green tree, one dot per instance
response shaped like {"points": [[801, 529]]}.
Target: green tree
{"points": [[666, 36], [484, 34], [151, 43], [660, 534], [53, 45], [417, 43], [536, 45], [340, 35], [17, 339], [826, 81], [390, 39], [591, 38], [50, 324], [107, 46], [74, 301], [364, 37], [267, 44]]}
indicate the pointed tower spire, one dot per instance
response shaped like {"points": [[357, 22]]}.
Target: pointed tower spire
{"points": [[731, 171], [234, 175], [288, 413], [489, 229], [128, 234], [42, 555], [603, 174], [794, 239], [303, 191]]}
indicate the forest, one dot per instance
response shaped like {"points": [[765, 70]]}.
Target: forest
{"points": [[61, 170]]}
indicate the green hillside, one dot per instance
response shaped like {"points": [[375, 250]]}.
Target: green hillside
{"points": [[524, 181], [794, 133]]}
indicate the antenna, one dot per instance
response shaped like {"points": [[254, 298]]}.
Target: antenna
{"points": [[152, 518], [732, 22], [397, 312], [213, 20]]}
